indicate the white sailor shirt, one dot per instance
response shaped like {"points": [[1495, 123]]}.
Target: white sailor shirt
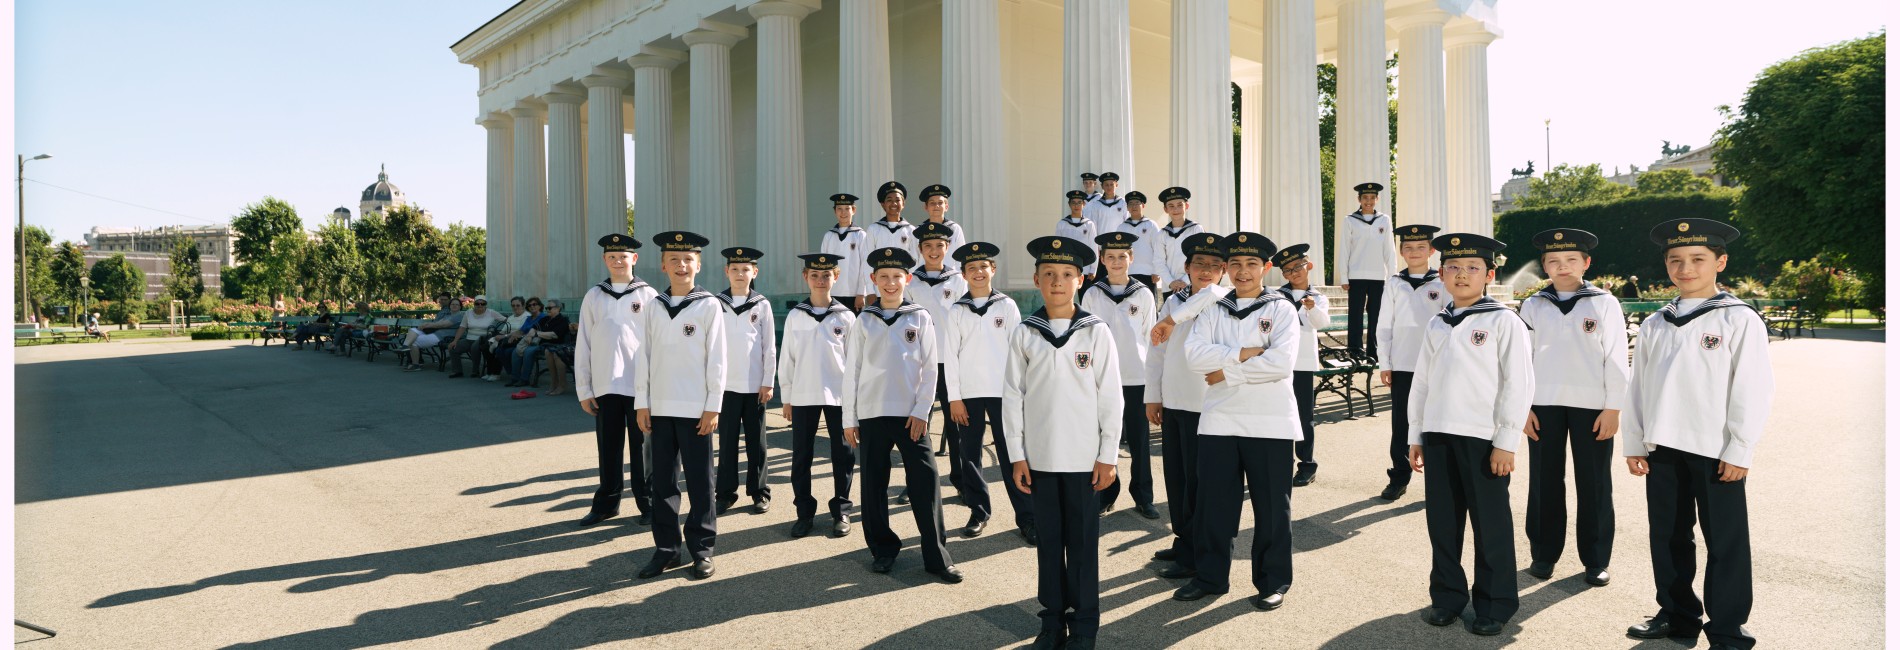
{"points": [[890, 367], [1311, 321], [935, 291], [1407, 308], [682, 371], [1081, 230], [889, 234], [1580, 348], [1150, 251], [849, 244], [607, 347], [1474, 376], [811, 363], [1702, 382], [1062, 398], [975, 338], [1174, 263], [1371, 253], [1129, 312], [1171, 382], [1255, 398], [751, 354], [1105, 212]]}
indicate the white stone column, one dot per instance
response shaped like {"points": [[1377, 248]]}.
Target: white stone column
{"points": [[1200, 129], [1252, 148], [711, 189], [500, 221], [1468, 129], [529, 272], [1291, 204], [866, 146], [1098, 129], [1422, 179], [975, 164], [566, 220], [781, 200], [1362, 137], [606, 171], [655, 207]]}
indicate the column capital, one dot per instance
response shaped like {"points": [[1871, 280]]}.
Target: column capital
{"points": [[1474, 34], [797, 9], [495, 121], [1426, 17], [526, 108], [714, 33], [564, 94], [605, 77]]}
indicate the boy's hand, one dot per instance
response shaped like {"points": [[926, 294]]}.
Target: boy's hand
{"points": [[1159, 334], [1639, 465], [1104, 475], [1730, 473], [589, 406], [1307, 302], [1502, 462], [708, 422], [1249, 353], [1176, 285], [916, 429], [1216, 377], [1417, 457], [643, 418], [1385, 378], [765, 395], [1530, 426], [786, 411], [1607, 423], [1154, 414], [958, 414], [1019, 472], [851, 436]]}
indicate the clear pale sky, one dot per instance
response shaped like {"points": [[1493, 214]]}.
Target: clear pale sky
{"points": [[200, 108]]}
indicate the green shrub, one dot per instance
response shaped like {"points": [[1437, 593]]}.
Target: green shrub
{"points": [[1622, 229]]}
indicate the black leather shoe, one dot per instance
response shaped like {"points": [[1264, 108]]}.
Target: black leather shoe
{"points": [[761, 505], [1596, 577], [1305, 476], [725, 503], [1392, 492], [1268, 602], [1148, 510], [1176, 572], [1486, 626], [1028, 534], [903, 498], [840, 527], [597, 516], [948, 574], [801, 528], [703, 569], [658, 566], [1191, 592], [645, 519], [1166, 555], [1657, 627], [1440, 617], [1541, 570], [1048, 640], [1080, 643], [943, 452], [882, 564], [975, 528]]}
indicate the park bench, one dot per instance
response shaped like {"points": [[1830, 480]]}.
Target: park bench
{"points": [[283, 329], [1339, 367], [566, 353], [385, 334]]}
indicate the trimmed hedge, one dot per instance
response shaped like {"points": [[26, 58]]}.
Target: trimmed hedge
{"points": [[1622, 230]]}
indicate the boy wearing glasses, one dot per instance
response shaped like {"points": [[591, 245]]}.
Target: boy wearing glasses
{"points": [[751, 364], [1315, 313], [1467, 413], [811, 376], [606, 353], [1412, 298]]}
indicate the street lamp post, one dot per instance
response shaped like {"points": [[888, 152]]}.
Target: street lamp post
{"points": [[85, 300], [20, 194]]}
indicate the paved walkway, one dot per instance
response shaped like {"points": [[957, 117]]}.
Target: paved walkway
{"points": [[215, 494]]}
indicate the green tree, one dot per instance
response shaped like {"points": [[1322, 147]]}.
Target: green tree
{"points": [[67, 266], [1672, 181], [630, 229], [40, 285], [187, 278], [1567, 185], [1808, 147], [333, 267], [271, 239], [116, 279], [470, 245]]}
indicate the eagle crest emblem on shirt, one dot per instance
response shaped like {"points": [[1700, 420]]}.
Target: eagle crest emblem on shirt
{"points": [[910, 335], [1589, 325], [755, 318], [1266, 326], [998, 321], [689, 329], [1478, 337], [946, 294], [1431, 295], [1711, 341], [1132, 310], [854, 245], [636, 307], [1083, 360], [837, 330]]}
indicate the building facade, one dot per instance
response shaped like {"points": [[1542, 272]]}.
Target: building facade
{"points": [[746, 114], [217, 242]]}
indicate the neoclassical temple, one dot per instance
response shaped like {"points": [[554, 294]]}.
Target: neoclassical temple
{"points": [[745, 115]]}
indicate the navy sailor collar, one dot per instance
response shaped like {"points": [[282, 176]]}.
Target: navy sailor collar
{"points": [[816, 313], [1107, 289], [844, 232], [1430, 275], [1074, 221], [894, 226], [969, 302], [1287, 290], [1185, 224], [1721, 300], [692, 296], [1363, 218], [1234, 310], [1107, 203], [1484, 304], [1040, 321], [890, 317], [752, 299], [945, 274], [607, 287], [1587, 290]]}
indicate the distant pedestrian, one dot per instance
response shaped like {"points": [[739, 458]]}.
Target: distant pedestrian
{"points": [[1630, 291]]}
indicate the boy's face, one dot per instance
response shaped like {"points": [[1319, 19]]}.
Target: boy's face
{"points": [[1075, 206], [620, 261], [1295, 272], [936, 206], [890, 282], [1569, 265], [933, 250], [893, 203], [1175, 207], [1116, 260], [1368, 203], [1109, 187], [1090, 185], [680, 265], [979, 272], [844, 213], [1205, 270], [820, 280], [1058, 282], [1465, 277], [1693, 268], [742, 273], [1246, 270], [1135, 208], [1415, 252]]}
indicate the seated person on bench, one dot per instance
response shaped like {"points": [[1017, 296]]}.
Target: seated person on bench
{"points": [[429, 334], [92, 327], [325, 320]]}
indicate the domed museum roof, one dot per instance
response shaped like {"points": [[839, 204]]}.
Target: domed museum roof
{"points": [[382, 190]]}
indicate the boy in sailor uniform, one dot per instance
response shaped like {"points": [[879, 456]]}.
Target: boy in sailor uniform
{"points": [[1365, 236], [606, 353], [1244, 353], [1150, 251], [1582, 364], [1127, 308], [679, 386], [1699, 396], [811, 383], [1062, 406], [1412, 299], [1109, 208], [1091, 186], [935, 286], [890, 368], [1315, 313], [1467, 414], [751, 364], [1079, 228], [1174, 394], [936, 200], [975, 332], [1174, 274], [890, 231], [848, 242]]}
